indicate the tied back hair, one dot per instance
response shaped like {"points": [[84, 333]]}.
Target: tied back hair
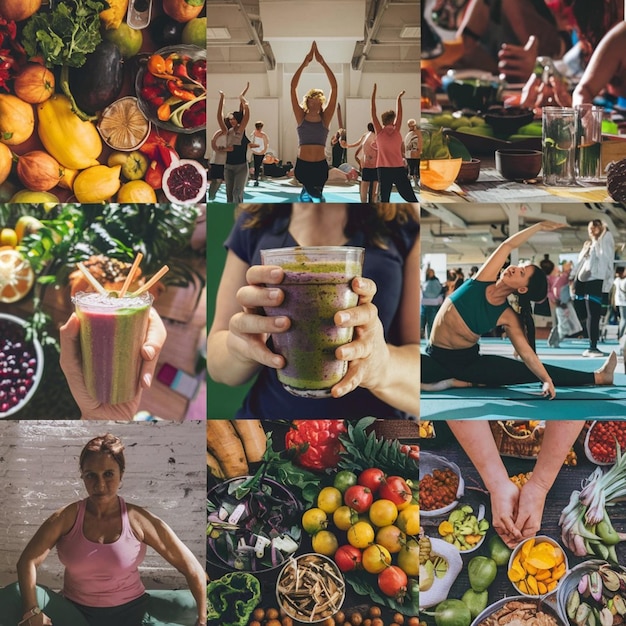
{"points": [[537, 291]]}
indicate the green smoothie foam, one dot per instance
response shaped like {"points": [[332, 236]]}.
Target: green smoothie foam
{"points": [[112, 331]]}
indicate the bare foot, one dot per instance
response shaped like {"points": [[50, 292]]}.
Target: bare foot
{"points": [[604, 376], [442, 385]]}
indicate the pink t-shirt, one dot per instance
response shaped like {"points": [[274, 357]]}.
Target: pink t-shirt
{"points": [[389, 142], [101, 574]]}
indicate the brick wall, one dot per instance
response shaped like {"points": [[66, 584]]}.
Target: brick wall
{"points": [[165, 473]]}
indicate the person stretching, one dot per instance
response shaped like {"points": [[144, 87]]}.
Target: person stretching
{"points": [[480, 304], [313, 120]]}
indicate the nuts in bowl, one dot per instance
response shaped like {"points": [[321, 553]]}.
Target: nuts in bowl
{"points": [[441, 485], [536, 566], [171, 88]]}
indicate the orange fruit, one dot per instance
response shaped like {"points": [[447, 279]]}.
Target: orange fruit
{"points": [[409, 520], [324, 542], [137, 191], [8, 237], [344, 517], [314, 520], [16, 276], [383, 512], [360, 535], [391, 537], [329, 499], [376, 558]]}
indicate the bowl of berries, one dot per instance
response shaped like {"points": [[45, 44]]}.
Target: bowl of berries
{"points": [[21, 365], [602, 439], [171, 88]]}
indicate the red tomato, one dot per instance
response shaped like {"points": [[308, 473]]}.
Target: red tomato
{"points": [[392, 581], [358, 498], [371, 478], [348, 558], [396, 489]]}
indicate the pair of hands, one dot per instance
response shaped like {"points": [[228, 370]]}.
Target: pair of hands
{"points": [[249, 330], [517, 513], [71, 364], [314, 53], [375, 88]]}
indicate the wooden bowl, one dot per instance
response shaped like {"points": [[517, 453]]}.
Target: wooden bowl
{"points": [[469, 171], [518, 164]]}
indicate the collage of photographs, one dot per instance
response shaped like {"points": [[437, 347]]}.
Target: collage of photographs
{"points": [[312, 312]]}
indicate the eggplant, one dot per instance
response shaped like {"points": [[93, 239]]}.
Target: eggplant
{"points": [[98, 82]]}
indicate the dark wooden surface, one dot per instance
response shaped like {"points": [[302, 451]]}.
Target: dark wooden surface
{"points": [[568, 479]]}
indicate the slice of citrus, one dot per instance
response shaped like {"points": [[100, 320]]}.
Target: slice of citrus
{"points": [[123, 126], [16, 276]]}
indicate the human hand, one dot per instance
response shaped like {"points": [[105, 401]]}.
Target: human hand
{"points": [[518, 62], [71, 364], [401, 93], [549, 226], [547, 389], [374, 89], [243, 93], [530, 509], [41, 619], [367, 353], [504, 507], [250, 329]]}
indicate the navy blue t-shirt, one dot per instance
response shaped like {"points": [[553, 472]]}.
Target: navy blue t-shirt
{"points": [[267, 399]]}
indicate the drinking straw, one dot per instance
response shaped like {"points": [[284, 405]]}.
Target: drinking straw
{"points": [[93, 282], [152, 281], [131, 275]]}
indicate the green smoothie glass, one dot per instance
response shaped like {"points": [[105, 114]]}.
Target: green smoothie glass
{"points": [[112, 331], [316, 285]]}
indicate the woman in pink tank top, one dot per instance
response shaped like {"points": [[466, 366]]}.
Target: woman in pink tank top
{"points": [[390, 160], [101, 541]]}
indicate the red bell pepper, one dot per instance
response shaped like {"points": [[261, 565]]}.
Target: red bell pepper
{"points": [[315, 442]]}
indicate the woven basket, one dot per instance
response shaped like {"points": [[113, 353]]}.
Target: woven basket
{"points": [[513, 440]]}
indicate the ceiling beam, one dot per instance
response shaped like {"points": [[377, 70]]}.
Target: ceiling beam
{"points": [[264, 48], [379, 7]]}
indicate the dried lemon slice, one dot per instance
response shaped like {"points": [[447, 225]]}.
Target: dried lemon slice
{"points": [[123, 126], [16, 276]]}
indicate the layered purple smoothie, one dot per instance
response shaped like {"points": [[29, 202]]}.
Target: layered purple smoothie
{"points": [[112, 331], [314, 292]]}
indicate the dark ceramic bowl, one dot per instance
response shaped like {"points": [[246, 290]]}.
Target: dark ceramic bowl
{"points": [[506, 121], [516, 164], [476, 94], [469, 171]]}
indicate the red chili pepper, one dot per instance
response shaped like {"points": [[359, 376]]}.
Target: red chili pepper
{"points": [[153, 95], [316, 442], [179, 92], [154, 174]]}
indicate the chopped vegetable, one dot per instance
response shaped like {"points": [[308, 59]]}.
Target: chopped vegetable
{"points": [[64, 37]]}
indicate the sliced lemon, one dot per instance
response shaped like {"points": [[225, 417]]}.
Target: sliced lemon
{"points": [[16, 276], [123, 126]]}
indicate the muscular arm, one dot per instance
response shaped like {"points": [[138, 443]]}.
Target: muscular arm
{"points": [[38, 548], [155, 533], [492, 266]]}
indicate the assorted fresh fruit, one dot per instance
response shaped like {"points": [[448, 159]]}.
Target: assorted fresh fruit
{"points": [[476, 125], [63, 110], [463, 529], [537, 567]]}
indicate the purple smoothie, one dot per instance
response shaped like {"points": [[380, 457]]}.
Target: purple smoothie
{"points": [[112, 331], [314, 292]]}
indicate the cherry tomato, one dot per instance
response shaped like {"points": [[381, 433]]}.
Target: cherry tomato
{"points": [[396, 489], [371, 478], [392, 581], [358, 498], [348, 558]]}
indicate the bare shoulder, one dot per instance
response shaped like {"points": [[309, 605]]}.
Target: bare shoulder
{"points": [[510, 319], [62, 520]]}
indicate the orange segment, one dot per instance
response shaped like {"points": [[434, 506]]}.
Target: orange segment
{"points": [[16, 276]]}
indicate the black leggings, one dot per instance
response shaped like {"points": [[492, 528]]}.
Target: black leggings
{"points": [[414, 167], [129, 614], [258, 161], [390, 176], [313, 176], [491, 370], [588, 303]]}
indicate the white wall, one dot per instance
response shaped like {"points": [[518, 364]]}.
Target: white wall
{"points": [[165, 473], [269, 96]]}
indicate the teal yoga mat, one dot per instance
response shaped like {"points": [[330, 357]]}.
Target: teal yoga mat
{"points": [[165, 608]]}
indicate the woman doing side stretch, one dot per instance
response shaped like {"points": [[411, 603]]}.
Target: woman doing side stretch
{"points": [[390, 160], [313, 120], [479, 305]]}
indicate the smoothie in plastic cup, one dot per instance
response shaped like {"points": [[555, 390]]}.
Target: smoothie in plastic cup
{"points": [[316, 285], [112, 331]]}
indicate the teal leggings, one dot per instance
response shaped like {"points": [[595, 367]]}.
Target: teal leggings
{"points": [[165, 608]]}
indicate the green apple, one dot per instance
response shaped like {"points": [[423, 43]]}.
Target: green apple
{"points": [[128, 40], [194, 32]]}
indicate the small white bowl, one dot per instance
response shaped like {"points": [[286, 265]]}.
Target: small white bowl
{"points": [[429, 462], [588, 452], [537, 539], [38, 367], [479, 515]]}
